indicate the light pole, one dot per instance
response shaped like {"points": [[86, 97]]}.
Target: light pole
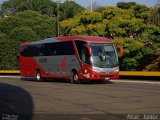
{"points": [[58, 29], [91, 5]]}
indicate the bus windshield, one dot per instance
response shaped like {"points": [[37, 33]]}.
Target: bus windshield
{"points": [[103, 55]]}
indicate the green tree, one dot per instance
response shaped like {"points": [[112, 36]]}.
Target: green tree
{"points": [[29, 19], [25, 26], [88, 17], [151, 33], [85, 23], [69, 9], [69, 24], [100, 9], [121, 22], [124, 27], [125, 5], [141, 11], [110, 12], [154, 17], [137, 54], [11, 7]]}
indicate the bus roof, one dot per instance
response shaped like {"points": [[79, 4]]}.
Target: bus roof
{"points": [[47, 40], [94, 39], [86, 38]]}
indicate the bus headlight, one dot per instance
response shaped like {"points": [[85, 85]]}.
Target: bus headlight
{"points": [[116, 69], [95, 69]]}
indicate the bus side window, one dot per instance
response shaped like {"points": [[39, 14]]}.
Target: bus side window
{"points": [[67, 48], [39, 50], [48, 49], [23, 50], [85, 55], [83, 52], [31, 50]]}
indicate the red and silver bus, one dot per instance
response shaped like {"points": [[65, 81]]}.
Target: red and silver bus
{"points": [[72, 57]]}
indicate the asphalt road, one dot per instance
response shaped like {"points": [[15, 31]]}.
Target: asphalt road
{"points": [[117, 100]]}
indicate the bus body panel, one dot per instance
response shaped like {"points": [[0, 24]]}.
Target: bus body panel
{"points": [[60, 66], [93, 73]]}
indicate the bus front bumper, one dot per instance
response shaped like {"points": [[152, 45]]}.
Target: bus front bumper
{"points": [[99, 76]]}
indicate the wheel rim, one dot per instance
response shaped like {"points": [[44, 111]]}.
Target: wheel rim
{"points": [[38, 76], [75, 77]]}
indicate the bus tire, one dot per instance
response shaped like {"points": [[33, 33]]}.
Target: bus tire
{"points": [[38, 76], [74, 77]]}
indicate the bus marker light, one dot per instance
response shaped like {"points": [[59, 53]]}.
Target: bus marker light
{"points": [[85, 71]]}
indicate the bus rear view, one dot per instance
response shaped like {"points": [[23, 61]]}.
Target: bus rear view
{"points": [[76, 58]]}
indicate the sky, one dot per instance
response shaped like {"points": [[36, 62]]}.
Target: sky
{"points": [[86, 3]]}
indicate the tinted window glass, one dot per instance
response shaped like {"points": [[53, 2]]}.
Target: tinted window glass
{"points": [[59, 48], [67, 48], [48, 49], [83, 52], [33, 50], [23, 50]]}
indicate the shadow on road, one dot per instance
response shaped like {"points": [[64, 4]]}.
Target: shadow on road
{"points": [[15, 103], [85, 82]]}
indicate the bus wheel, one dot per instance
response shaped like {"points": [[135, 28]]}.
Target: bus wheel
{"points": [[38, 76], [74, 78]]}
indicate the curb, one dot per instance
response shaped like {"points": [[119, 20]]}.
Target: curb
{"points": [[121, 73]]}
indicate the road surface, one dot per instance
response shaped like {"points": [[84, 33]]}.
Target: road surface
{"points": [[117, 100]]}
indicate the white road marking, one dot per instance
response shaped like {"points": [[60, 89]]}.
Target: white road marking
{"points": [[5, 76], [85, 118]]}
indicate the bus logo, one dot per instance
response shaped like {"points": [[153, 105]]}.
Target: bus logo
{"points": [[43, 60]]}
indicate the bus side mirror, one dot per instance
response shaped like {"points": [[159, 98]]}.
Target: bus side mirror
{"points": [[120, 50], [89, 49]]}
